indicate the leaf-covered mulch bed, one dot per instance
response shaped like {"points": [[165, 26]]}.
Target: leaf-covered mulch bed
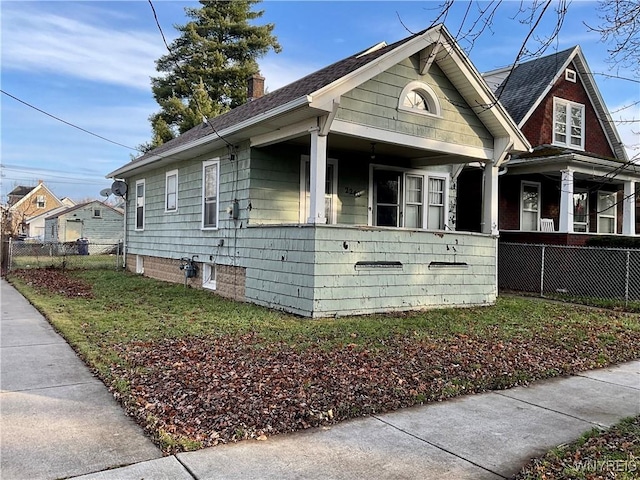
{"points": [[212, 391], [55, 280], [614, 453]]}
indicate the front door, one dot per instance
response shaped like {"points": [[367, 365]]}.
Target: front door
{"points": [[386, 198]]}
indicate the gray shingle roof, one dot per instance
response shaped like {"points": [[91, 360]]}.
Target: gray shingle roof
{"points": [[21, 191], [528, 81], [282, 96]]}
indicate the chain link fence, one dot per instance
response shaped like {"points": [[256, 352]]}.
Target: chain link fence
{"points": [[583, 272], [78, 254]]}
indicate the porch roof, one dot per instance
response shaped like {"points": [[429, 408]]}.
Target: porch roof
{"points": [[581, 163]]}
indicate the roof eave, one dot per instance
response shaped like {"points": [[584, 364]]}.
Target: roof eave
{"points": [[212, 138]]}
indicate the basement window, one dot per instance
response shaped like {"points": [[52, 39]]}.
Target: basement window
{"points": [[209, 276]]}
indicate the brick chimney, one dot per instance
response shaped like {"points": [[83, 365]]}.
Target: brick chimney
{"points": [[255, 87]]}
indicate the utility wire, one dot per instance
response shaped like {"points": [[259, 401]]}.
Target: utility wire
{"points": [[65, 122]]}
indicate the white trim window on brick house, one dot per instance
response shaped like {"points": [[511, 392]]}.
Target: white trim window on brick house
{"points": [[210, 189], [171, 191], [581, 211], [529, 206], [139, 225], [607, 212], [398, 198], [568, 123]]}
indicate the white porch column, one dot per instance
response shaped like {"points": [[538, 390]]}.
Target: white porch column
{"points": [[629, 209], [317, 176], [490, 200], [566, 202]]}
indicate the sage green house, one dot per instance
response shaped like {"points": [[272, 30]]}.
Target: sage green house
{"points": [[333, 195], [95, 221]]}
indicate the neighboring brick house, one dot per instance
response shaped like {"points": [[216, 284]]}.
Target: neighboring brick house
{"points": [[25, 203], [578, 180]]}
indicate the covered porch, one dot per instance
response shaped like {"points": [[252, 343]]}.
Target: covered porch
{"points": [[567, 198]]}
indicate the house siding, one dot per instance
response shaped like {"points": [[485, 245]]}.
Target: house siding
{"points": [[375, 104], [80, 223], [539, 127], [180, 234]]}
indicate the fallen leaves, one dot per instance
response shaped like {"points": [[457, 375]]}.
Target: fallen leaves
{"points": [[56, 281], [239, 387]]}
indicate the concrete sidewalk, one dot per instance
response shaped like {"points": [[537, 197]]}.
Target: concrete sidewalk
{"points": [[57, 421]]}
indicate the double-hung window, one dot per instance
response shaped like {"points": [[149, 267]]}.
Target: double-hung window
{"points": [[171, 191], [140, 205], [41, 201], [607, 212], [330, 192], [210, 188], [530, 206], [580, 211], [568, 123], [408, 199]]}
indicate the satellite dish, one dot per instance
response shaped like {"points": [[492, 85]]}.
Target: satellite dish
{"points": [[119, 188], [105, 192]]}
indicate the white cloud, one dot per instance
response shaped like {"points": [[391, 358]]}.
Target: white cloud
{"points": [[39, 41]]}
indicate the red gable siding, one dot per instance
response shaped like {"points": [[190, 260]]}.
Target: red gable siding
{"points": [[539, 127]]}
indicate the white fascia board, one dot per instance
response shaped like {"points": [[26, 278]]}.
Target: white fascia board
{"points": [[301, 101], [599, 105], [323, 98], [548, 87], [387, 136], [509, 127], [284, 133]]}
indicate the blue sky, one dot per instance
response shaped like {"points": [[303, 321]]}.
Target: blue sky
{"points": [[89, 63]]}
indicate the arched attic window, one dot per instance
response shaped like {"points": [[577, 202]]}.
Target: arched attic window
{"points": [[418, 97]]}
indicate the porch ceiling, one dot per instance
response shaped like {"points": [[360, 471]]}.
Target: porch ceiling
{"points": [[418, 157]]}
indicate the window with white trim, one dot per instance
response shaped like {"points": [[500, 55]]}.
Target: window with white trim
{"points": [[400, 197], [171, 191], [330, 192], [568, 123], [607, 202], [209, 276], [210, 188], [41, 201], [140, 205], [436, 204], [97, 213], [570, 75], [418, 97], [530, 206], [581, 211]]}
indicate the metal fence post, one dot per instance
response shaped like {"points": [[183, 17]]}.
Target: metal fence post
{"points": [[542, 273], [626, 280], [10, 254]]}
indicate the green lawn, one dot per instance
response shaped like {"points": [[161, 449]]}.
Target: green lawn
{"points": [[197, 370]]}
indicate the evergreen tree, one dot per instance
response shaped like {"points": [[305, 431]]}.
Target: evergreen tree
{"points": [[206, 71]]}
